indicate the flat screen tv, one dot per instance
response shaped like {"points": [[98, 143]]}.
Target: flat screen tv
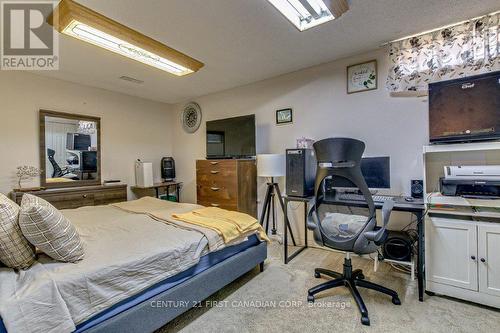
{"points": [[231, 137], [466, 109]]}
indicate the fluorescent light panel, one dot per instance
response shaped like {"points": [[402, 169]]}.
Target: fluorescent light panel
{"points": [[75, 20], [304, 14], [111, 43]]}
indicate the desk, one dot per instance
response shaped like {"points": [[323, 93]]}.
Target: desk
{"points": [[286, 200], [158, 186], [415, 207]]}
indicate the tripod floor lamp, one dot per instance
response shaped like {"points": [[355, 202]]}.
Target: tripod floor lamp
{"points": [[272, 166]]}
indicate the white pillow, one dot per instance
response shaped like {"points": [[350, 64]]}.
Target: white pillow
{"points": [[47, 229], [15, 250]]}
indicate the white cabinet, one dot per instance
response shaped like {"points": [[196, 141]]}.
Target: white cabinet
{"points": [[489, 259], [453, 252], [463, 259]]}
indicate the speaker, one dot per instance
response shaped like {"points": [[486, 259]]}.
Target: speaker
{"points": [[398, 246], [417, 189], [168, 168], [300, 172]]}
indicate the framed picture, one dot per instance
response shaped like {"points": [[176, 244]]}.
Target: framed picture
{"points": [[362, 77], [284, 116]]}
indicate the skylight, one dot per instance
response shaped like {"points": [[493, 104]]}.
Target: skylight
{"points": [[304, 14]]}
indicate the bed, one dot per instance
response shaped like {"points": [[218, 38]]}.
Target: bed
{"points": [[138, 274]]}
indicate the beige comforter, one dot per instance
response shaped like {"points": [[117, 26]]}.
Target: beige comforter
{"points": [[125, 254]]}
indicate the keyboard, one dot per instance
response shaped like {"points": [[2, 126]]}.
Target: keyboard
{"points": [[359, 197]]}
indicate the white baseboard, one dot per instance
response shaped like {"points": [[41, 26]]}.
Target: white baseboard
{"points": [[465, 294]]}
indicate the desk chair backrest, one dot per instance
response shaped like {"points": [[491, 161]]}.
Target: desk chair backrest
{"points": [[57, 171], [340, 158]]}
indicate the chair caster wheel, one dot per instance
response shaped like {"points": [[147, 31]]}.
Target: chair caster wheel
{"points": [[317, 275], [396, 301], [361, 276], [310, 298], [365, 321]]}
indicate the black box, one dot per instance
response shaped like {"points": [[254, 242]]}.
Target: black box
{"points": [[300, 172]]}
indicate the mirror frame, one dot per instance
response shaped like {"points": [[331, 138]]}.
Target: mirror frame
{"points": [[43, 152]]}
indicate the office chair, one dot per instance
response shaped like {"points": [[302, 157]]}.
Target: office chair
{"points": [[58, 172], [340, 158]]}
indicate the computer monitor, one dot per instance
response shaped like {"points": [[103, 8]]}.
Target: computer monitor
{"points": [[376, 170]]}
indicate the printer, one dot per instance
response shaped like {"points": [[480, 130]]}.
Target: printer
{"points": [[480, 181]]}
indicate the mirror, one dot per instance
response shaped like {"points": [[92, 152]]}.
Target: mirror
{"points": [[70, 151]]}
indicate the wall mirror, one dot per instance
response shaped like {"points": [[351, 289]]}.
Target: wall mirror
{"points": [[70, 149]]}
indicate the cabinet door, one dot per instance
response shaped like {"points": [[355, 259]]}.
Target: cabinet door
{"points": [[452, 252], [489, 258]]}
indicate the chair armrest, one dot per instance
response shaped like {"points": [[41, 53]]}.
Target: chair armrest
{"points": [[379, 235], [312, 222]]}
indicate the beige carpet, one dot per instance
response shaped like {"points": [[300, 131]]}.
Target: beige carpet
{"points": [[275, 301]]}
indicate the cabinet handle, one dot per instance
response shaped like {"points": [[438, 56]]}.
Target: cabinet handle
{"points": [[213, 172], [215, 189], [483, 260], [214, 163], [84, 196], [473, 257], [214, 205]]}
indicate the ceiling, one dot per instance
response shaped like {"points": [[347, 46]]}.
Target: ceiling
{"points": [[244, 41]]}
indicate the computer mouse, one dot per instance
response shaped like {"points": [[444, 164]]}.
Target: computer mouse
{"points": [[409, 199]]}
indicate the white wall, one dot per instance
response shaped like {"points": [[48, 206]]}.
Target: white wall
{"points": [[321, 108], [131, 127]]}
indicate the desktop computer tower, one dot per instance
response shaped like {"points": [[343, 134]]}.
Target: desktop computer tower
{"points": [[300, 172]]}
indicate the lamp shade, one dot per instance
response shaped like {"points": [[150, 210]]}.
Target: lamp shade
{"points": [[271, 165]]}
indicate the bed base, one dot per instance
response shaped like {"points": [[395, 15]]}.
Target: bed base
{"points": [[150, 315]]}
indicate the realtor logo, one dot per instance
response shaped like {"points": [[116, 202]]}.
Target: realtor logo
{"points": [[28, 41]]}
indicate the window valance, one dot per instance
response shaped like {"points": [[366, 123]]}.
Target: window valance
{"points": [[465, 49]]}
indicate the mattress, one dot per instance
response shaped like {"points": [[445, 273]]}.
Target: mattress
{"points": [[125, 255], [205, 262]]}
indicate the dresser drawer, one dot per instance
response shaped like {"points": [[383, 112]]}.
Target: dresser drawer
{"points": [[216, 174], [75, 197], [218, 205], [219, 164], [110, 196], [69, 200], [218, 194]]}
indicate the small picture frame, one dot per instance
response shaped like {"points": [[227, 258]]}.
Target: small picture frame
{"points": [[284, 116], [362, 77]]}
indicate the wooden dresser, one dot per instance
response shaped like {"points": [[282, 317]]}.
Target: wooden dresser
{"points": [[228, 184], [74, 197]]}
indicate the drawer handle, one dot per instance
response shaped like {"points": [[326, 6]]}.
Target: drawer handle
{"points": [[214, 205], [214, 163], [215, 189], [213, 172]]}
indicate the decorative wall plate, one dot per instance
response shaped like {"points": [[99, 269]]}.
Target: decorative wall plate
{"points": [[191, 117]]}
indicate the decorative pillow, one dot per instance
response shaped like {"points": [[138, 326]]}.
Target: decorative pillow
{"points": [[47, 228], [15, 250]]}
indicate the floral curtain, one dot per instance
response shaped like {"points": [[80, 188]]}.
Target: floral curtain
{"points": [[462, 50]]}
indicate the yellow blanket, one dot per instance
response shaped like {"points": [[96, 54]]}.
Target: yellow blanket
{"points": [[228, 224]]}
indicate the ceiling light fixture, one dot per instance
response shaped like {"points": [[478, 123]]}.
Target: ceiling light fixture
{"points": [[75, 20], [305, 14]]}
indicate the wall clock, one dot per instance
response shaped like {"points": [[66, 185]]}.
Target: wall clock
{"points": [[191, 117]]}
